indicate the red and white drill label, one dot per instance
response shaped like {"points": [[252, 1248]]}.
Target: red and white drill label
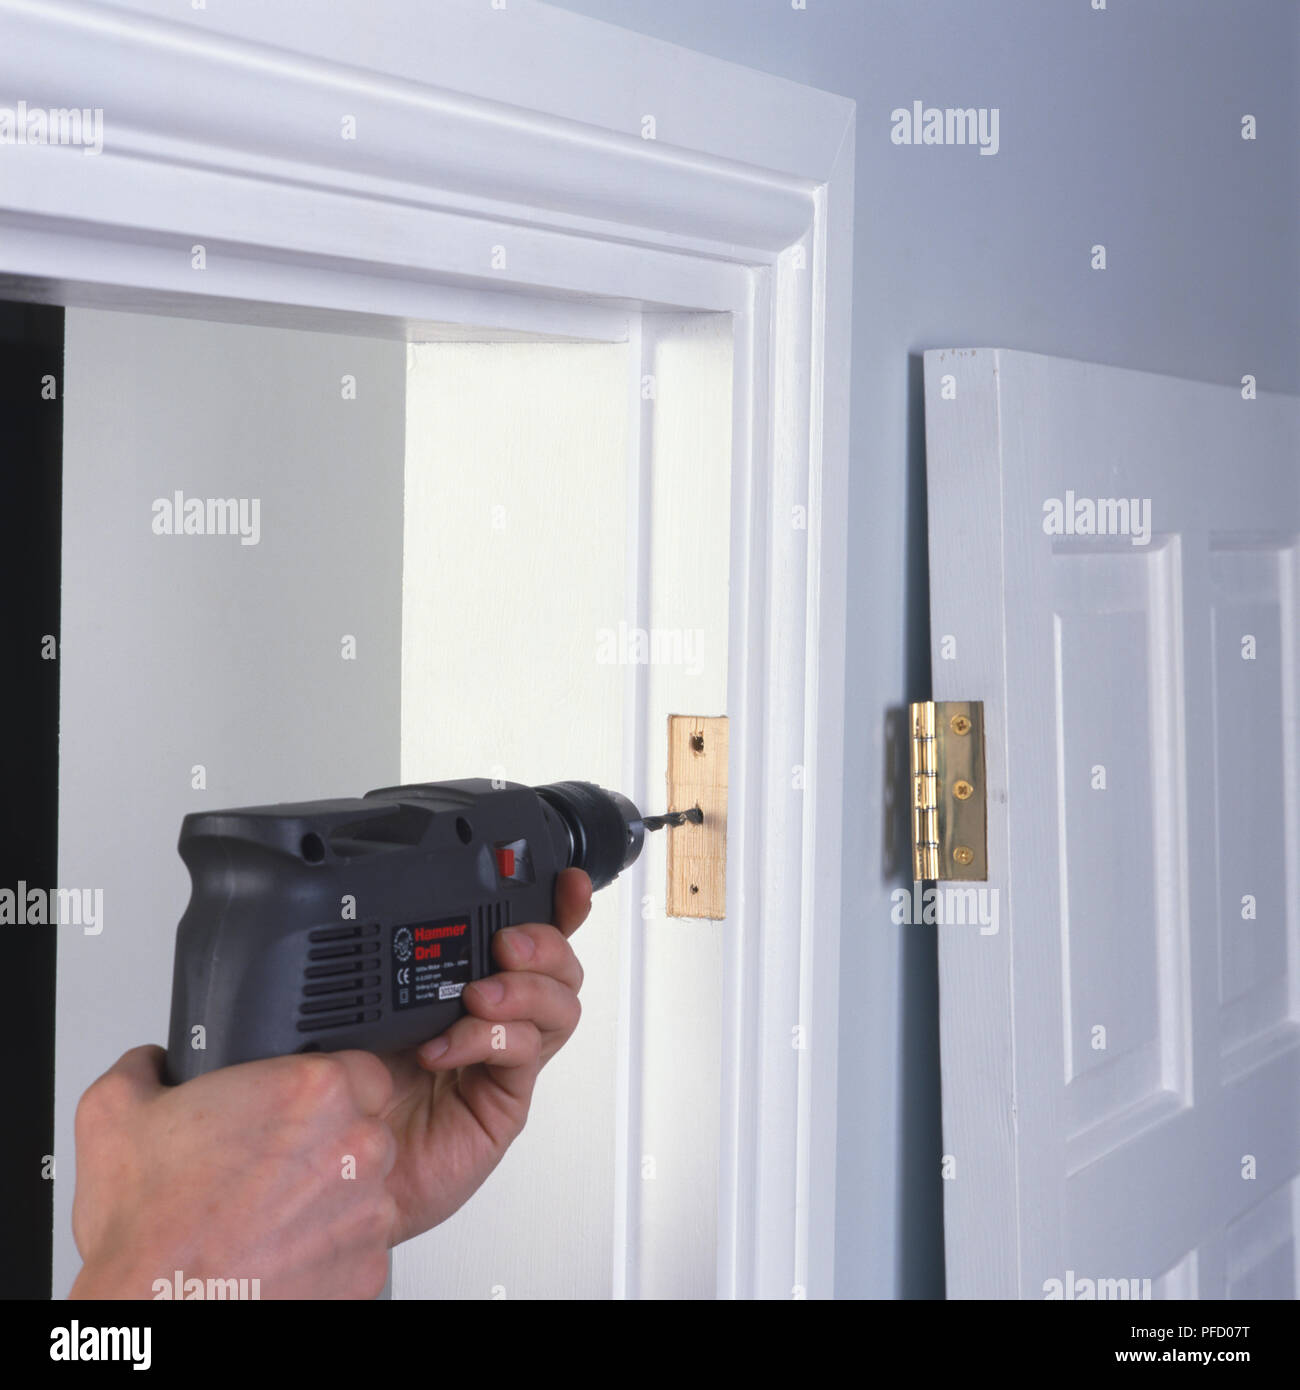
{"points": [[432, 961]]}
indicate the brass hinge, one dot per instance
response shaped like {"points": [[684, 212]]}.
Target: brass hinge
{"points": [[949, 808]]}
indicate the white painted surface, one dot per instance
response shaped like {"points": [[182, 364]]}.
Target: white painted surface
{"points": [[1173, 1152], [742, 206], [513, 563], [1155, 156], [177, 651], [525, 528], [671, 1037]]}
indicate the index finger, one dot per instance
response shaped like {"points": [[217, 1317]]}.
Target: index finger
{"points": [[572, 900], [143, 1066], [540, 949]]}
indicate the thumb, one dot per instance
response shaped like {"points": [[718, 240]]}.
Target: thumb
{"points": [[572, 900]]}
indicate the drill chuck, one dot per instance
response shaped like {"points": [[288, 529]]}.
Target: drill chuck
{"points": [[605, 830]]}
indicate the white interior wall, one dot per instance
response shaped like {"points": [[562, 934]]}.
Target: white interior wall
{"points": [[178, 651], [514, 559]]}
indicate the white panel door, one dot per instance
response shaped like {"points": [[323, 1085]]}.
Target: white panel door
{"points": [[1114, 572]]}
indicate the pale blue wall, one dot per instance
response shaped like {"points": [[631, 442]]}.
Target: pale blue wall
{"points": [[1119, 127]]}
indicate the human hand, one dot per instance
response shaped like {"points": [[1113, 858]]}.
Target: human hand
{"points": [[238, 1174], [460, 1101]]}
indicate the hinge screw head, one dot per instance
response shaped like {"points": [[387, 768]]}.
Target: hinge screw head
{"points": [[963, 791], [960, 724], [963, 855]]}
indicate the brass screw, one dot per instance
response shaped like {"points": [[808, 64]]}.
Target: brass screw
{"points": [[963, 855], [963, 791], [960, 724]]}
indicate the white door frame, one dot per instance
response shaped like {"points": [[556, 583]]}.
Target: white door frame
{"points": [[502, 175]]}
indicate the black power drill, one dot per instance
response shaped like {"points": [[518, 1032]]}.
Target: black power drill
{"points": [[356, 923]]}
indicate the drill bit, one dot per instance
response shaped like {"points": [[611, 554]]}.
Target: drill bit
{"points": [[695, 816]]}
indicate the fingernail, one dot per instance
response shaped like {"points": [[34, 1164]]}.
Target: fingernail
{"points": [[490, 991], [431, 1051], [520, 943]]}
